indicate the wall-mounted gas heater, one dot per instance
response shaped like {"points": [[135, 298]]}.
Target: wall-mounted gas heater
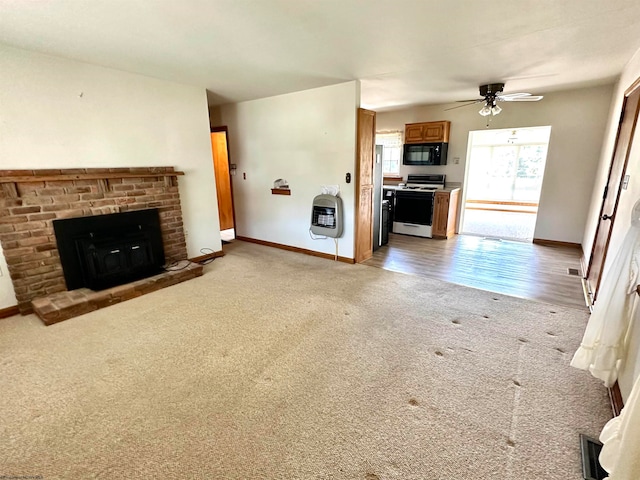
{"points": [[326, 216]]}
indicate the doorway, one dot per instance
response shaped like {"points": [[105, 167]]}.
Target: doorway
{"points": [[611, 194], [504, 181], [222, 172]]}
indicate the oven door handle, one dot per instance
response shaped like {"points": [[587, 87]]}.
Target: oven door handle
{"points": [[414, 194], [411, 225]]}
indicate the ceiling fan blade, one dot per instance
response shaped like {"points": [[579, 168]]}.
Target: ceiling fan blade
{"points": [[475, 100], [530, 98], [514, 95], [469, 102]]}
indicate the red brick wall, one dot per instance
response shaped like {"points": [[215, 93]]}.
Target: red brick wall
{"points": [[28, 208]]}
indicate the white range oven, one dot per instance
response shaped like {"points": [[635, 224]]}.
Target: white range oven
{"points": [[413, 212]]}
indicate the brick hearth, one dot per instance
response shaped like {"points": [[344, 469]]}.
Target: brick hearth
{"points": [[31, 199], [64, 305]]}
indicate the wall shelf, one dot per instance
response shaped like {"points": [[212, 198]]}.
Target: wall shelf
{"points": [[280, 191]]}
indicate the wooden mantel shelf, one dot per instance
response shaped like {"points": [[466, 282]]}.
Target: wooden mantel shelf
{"points": [[84, 176]]}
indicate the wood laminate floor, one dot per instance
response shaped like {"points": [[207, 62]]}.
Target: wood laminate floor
{"points": [[518, 269]]}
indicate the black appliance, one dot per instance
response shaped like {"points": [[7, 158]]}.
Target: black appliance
{"points": [[414, 207], [425, 153], [385, 224], [390, 195], [413, 212]]}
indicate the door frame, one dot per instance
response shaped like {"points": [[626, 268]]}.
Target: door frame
{"points": [[593, 285], [225, 129], [465, 184]]}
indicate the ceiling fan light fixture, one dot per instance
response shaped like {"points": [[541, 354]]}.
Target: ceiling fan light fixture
{"points": [[492, 93], [484, 111]]}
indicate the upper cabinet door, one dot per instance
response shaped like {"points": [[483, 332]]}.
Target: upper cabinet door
{"points": [[413, 133], [427, 132], [435, 132]]}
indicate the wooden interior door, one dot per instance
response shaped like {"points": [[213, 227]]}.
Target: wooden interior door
{"points": [[365, 155], [223, 179], [611, 194]]}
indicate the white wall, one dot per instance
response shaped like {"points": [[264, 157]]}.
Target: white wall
{"points": [[628, 198], [58, 113], [309, 139], [577, 119]]}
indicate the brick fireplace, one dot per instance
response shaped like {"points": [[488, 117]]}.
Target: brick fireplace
{"points": [[30, 200]]}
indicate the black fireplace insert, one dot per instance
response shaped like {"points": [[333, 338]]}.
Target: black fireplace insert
{"points": [[103, 251]]}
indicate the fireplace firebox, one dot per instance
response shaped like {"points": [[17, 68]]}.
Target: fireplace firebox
{"points": [[102, 251]]}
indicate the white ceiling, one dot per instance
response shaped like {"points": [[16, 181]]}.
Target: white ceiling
{"points": [[405, 52]]}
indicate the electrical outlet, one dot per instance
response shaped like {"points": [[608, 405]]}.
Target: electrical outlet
{"points": [[456, 160], [186, 233]]}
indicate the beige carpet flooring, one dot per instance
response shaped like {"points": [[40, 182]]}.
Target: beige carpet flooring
{"points": [[276, 365]]}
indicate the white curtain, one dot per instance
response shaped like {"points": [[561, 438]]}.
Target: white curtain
{"points": [[603, 346], [620, 455], [389, 138]]}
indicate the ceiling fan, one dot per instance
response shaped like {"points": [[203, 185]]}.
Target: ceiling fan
{"points": [[492, 93]]}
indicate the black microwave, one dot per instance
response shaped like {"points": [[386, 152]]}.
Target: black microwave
{"points": [[425, 154]]}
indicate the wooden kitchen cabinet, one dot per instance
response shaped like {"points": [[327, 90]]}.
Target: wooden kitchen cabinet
{"points": [[427, 132], [445, 213]]}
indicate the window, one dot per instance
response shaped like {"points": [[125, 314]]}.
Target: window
{"points": [[391, 151], [507, 172]]}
